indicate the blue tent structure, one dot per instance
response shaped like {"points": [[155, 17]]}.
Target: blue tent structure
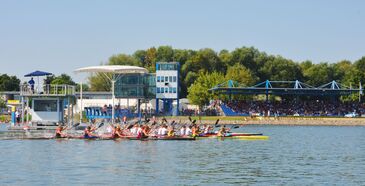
{"points": [[37, 73]]}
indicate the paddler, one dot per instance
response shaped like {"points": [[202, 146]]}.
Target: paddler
{"points": [[182, 130], [134, 129], [188, 131], [88, 132], [162, 131], [59, 131], [195, 130], [117, 132], [170, 131], [222, 131], [143, 133], [207, 129]]}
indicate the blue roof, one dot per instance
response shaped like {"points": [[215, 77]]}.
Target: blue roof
{"points": [[37, 73]]}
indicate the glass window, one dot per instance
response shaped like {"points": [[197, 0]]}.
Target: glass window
{"points": [[158, 89], [170, 90], [45, 105], [175, 78], [170, 78], [174, 89], [166, 90], [166, 78], [158, 79], [162, 79]]}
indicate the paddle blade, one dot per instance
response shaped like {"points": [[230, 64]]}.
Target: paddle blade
{"points": [[190, 119], [75, 125], [216, 122], [194, 121], [101, 124]]}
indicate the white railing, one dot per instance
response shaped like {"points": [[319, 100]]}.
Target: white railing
{"points": [[48, 90]]}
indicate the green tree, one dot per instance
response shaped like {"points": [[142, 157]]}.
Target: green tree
{"points": [[281, 69], [198, 91], [85, 87], [63, 79], [165, 54], [9, 83], [318, 74], [241, 74]]}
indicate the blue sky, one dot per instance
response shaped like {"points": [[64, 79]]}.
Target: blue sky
{"points": [[60, 36]]}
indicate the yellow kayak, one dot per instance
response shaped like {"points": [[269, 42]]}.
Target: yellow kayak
{"points": [[255, 137]]}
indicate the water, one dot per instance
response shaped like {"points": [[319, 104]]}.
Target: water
{"points": [[294, 155]]}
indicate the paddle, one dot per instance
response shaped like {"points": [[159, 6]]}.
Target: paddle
{"points": [[216, 123], [190, 119], [101, 124], [74, 126]]}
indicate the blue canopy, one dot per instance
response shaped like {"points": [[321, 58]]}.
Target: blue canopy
{"points": [[37, 73]]}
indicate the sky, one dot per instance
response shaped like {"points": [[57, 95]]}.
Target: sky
{"points": [[61, 36]]}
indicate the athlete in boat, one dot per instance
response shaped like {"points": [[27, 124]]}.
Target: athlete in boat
{"points": [[170, 131], [116, 132], [188, 131], [222, 131], [182, 130], [88, 133], [195, 130], [162, 131], [59, 132], [143, 132], [134, 130], [207, 129]]}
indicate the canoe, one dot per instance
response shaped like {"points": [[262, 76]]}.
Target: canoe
{"points": [[213, 135], [252, 137], [172, 138]]}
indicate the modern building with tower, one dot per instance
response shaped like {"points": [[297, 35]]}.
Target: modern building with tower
{"points": [[167, 87]]}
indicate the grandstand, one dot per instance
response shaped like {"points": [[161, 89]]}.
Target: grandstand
{"points": [[324, 100]]}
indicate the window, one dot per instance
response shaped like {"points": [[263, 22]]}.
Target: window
{"points": [[175, 78], [158, 89], [45, 105], [170, 90], [170, 78], [166, 78], [166, 90], [158, 78], [162, 79], [174, 89]]}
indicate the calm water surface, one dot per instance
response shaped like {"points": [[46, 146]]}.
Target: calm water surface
{"points": [[294, 155]]}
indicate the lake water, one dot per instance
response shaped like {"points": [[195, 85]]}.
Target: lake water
{"points": [[294, 155]]}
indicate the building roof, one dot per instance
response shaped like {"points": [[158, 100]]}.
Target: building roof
{"points": [[117, 69]]}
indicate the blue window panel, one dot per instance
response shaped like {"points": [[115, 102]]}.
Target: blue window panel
{"points": [[158, 78], [170, 90], [174, 89], [166, 78], [174, 79], [166, 90], [170, 78], [158, 89], [162, 79]]}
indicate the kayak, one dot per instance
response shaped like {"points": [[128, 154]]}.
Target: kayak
{"points": [[213, 135], [172, 138], [252, 137]]}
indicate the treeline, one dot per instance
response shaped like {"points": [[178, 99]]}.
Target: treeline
{"points": [[246, 65], [11, 83]]}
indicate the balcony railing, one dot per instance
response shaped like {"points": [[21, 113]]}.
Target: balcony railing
{"points": [[47, 90]]}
